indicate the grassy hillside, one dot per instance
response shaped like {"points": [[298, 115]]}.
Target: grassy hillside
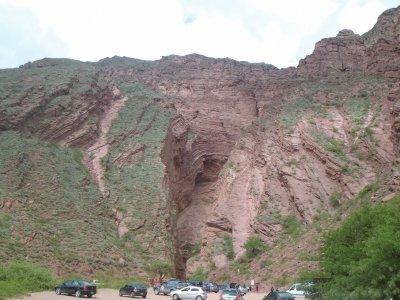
{"points": [[52, 210]]}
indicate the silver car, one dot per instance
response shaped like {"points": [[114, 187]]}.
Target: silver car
{"points": [[189, 292], [230, 294]]}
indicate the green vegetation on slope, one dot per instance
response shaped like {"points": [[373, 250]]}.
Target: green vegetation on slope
{"points": [[360, 259], [58, 84], [18, 278], [135, 180], [53, 212]]}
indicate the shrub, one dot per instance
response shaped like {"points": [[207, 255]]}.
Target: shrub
{"points": [[360, 259], [290, 225], [228, 247], [254, 246], [334, 198], [18, 278]]}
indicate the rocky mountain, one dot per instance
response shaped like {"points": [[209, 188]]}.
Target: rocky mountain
{"points": [[105, 166]]}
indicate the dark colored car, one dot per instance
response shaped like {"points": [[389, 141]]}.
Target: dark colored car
{"points": [[277, 295], [167, 287], [195, 283], [133, 289], [77, 288], [210, 287]]}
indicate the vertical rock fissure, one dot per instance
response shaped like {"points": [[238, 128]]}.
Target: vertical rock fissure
{"points": [[192, 172]]}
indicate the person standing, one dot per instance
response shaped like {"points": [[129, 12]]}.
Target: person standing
{"points": [[252, 285], [257, 284]]}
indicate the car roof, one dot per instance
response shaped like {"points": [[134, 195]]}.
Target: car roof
{"points": [[229, 290], [286, 293]]}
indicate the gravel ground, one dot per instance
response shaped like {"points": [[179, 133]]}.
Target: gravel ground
{"points": [[110, 294]]}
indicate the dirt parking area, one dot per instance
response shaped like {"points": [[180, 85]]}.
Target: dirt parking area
{"points": [[110, 294]]}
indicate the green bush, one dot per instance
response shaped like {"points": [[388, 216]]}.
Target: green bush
{"points": [[290, 225], [359, 260], [254, 246], [334, 198], [18, 278], [228, 247]]}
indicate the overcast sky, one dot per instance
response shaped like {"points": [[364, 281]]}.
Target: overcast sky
{"points": [[279, 32]]}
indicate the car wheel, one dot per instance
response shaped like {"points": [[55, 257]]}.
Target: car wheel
{"points": [[156, 291], [58, 291], [144, 296], [199, 298], [175, 297], [78, 294], [120, 293], [89, 296]]}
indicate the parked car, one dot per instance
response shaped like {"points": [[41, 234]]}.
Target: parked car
{"points": [[210, 287], [223, 286], [297, 289], [277, 295], [195, 283], [167, 287], [230, 294], [189, 292], [133, 289], [77, 288], [243, 289]]}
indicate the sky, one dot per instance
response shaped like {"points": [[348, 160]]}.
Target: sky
{"points": [[277, 32]]}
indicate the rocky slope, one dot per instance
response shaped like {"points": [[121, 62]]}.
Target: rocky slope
{"points": [[187, 152]]}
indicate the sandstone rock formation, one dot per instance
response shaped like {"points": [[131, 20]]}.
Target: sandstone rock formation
{"points": [[195, 149]]}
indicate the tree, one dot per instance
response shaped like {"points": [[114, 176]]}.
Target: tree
{"points": [[158, 268], [199, 274], [360, 260]]}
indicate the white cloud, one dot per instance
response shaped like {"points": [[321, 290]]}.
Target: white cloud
{"points": [[22, 39], [276, 32], [360, 17]]}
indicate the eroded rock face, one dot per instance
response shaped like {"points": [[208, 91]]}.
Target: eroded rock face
{"points": [[249, 147], [229, 181], [375, 51], [345, 52]]}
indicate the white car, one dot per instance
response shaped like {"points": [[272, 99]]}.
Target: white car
{"points": [[243, 289], [189, 292], [297, 289]]}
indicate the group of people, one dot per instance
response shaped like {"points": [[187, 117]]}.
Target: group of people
{"points": [[255, 286]]}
